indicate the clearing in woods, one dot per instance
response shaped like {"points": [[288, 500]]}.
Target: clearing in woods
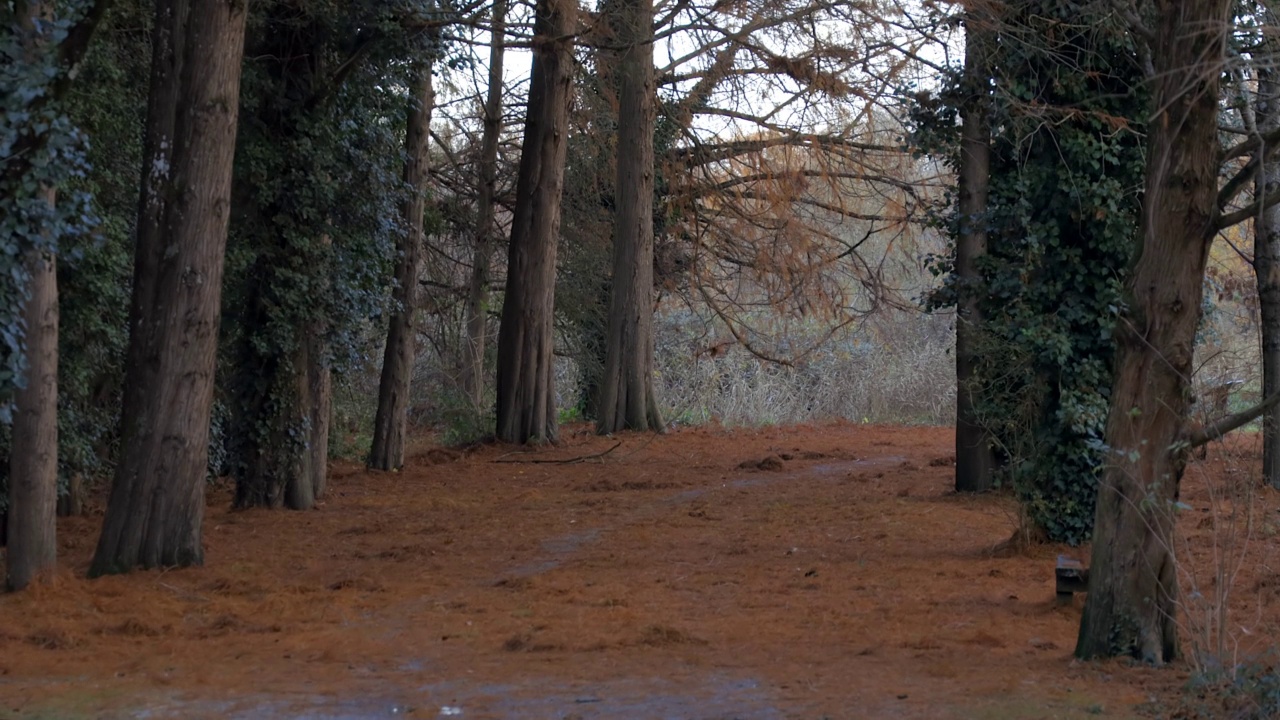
{"points": [[676, 577]]}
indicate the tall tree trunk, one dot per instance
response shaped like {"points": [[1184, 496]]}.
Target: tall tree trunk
{"points": [[33, 454], [1133, 588], [156, 507], [391, 424], [1266, 258], [526, 380], [478, 292], [626, 395], [975, 461]]}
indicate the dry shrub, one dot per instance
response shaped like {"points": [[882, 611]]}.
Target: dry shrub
{"points": [[895, 368], [1218, 544]]}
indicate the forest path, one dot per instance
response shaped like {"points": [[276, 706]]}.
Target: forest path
{"points": [[671, 578]]}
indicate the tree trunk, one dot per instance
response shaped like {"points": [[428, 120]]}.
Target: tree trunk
{"points": [[526, 379], [1266, 259], [156, 507], [316, 465], [304, 487], [287, 464], [33, 455], [975, 460], [626, 395], [1133, 589], [72, 503], [478, 292], [391, 424]]}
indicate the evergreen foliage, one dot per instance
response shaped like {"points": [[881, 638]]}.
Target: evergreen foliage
{"points": [[41, 148], [42, 145], [94, 279], [1063, 216], [318, 189]]}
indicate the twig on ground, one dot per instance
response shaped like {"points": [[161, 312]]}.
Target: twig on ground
{"points": [[561, 461]]}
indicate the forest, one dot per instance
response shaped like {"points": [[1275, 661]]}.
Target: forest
{"points": [[641, 358]]}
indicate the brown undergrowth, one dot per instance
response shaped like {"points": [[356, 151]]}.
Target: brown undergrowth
{"points": [[801, 572]]}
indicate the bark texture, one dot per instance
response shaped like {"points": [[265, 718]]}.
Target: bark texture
{"points": [[975, 461], [391, 424], [478, 291], [1133, 589], [526, 384], [626, 394], [1266, 257], [156, 507], [305, 487], [33, 453]]}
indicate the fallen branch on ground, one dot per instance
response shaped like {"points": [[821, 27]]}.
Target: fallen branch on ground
{"points": [[562, 461]]}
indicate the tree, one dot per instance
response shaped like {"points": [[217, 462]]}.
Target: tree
{"points": [[626, 393], [763, 217], [1133, 585], [31, 527], [315, 398], [282, 231], [108, 103], [317, 196], [526, 383], [43, 153], [1266, 250], [156, 506], [754, 218], [1060, 222], [33, 461], [391, 423], [473, 349], [975, 461]]}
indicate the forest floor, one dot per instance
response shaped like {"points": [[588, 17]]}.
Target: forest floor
{"points": [[670, 577]]}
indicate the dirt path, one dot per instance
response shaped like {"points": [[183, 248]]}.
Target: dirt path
{"points": [[660, 581]]}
